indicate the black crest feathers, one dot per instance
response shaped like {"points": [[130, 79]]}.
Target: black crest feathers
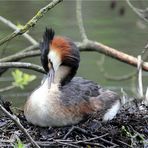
{"points": [[44, 47]]}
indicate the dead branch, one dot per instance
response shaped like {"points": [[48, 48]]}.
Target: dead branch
{"points": [[31, 22], [144, 53], [111, 52], [91, 139], [22, 65], [140, 83], [85, 46], [80, 20], [76, 128], [65, 143], [140, 12], [27, 52], [123, 143], [7, 88], [16, 120], [30, 48], [95, 144], [20, 56], [146, 97]]}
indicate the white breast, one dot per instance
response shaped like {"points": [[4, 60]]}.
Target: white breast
{"points": [[44, 108], [40, 106]]}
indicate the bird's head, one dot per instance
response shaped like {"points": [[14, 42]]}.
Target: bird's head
{"points": [[59, 56]]}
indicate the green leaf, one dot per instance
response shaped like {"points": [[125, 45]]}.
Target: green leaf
{"points": [[21, 79], [19, 144]]}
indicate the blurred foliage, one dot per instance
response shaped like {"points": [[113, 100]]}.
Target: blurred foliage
{"points": [[19, 144], [21, 79]]}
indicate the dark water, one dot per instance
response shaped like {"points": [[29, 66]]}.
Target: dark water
{"points": [[126, 33]]}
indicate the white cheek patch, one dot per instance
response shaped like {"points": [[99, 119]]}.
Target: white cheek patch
{"points": [[55, 59]]}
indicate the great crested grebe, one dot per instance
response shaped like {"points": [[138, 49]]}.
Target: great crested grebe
{"points": [[61, 99]]}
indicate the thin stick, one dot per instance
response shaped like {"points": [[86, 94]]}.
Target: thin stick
{"points": [[80, 20], [31, 22], [20, 126], [109, 51], [85, 46], [54, 143], [65, 143], [140, 84], [75, 128], [7, 88], [109, 142], [94, 144], [20, 56], [137, 11], [30, 48], [146, 97], [124, 143], [69, 132], [22, 65], [14, 27], [90, 139]]}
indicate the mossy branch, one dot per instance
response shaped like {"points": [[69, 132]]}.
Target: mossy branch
{"points": [[31, 22], [13, 26]]}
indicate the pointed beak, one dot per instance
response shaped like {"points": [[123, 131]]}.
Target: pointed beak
{"points": [[50, 76]]}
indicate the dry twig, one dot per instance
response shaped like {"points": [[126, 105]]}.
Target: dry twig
{"points": [[140, 12], [20, 56], [80, 20], [17, 122], [140, 83], [85, 46], [7, 88], [114, 53], [22, 65]]}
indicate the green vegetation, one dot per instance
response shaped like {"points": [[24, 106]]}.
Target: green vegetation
{"points": [[19, 144], [21, 79], [133, 135]]}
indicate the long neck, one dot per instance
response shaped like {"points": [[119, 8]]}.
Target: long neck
{"points": [[53, 88], [61, 77], [62, 74]]}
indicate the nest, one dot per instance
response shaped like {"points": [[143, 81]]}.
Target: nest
{"points": [[128, 129]]}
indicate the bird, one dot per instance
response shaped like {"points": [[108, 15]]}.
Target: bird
{"points": [[62, 99]]}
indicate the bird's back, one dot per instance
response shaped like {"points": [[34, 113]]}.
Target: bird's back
{"points": [[88, 97], [79, 89]]}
